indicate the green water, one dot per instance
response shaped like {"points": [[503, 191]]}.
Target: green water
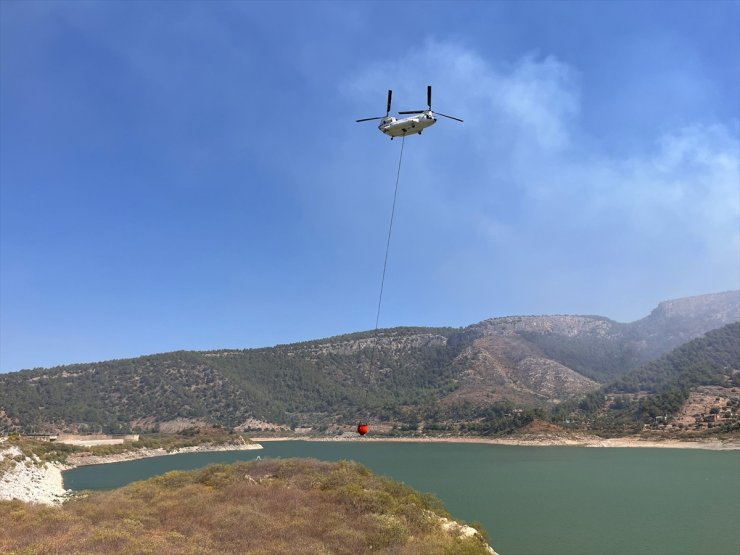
{"points": [[531, 500]]}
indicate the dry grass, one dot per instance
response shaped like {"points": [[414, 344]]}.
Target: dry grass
{"points": [[262, 507]]}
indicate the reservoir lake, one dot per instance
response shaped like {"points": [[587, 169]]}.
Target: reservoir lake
{"points": [[531, 500]]}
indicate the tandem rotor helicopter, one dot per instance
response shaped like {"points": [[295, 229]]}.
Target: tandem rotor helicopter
{"points": [[408, 126], [398, 128]]}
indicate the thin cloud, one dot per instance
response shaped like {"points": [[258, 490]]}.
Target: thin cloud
{"points": [[530, 191]]}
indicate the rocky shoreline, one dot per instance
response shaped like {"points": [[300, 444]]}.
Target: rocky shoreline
{"points": [[30, 480]]}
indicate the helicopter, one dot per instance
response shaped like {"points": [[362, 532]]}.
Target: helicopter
{"points": [[408, 126]]}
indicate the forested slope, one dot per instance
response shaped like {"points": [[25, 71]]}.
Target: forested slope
{"points": [[403, 376], [658, 390]]}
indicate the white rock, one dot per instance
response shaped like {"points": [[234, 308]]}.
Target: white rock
{"points": [[36, 483]]}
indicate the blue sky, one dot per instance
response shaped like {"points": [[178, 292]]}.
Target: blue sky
{"points": [[182, 175]]}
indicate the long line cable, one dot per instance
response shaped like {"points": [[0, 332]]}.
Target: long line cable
{"points": [[390, 231], [385, 261]]}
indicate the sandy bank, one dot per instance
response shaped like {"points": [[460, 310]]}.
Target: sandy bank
{"points": [[537, 441], [86, 459]]}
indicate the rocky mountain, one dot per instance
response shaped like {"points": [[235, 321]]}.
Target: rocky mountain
{"points": [[401, 376], [602, 349]]}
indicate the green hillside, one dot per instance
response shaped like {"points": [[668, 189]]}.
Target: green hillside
{"points": [[305, 383], [710, 360], [488, 378], [661, 387]]}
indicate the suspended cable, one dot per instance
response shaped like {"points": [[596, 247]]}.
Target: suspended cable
{"points": [[390, 231], [385, 261], [362, 426]]}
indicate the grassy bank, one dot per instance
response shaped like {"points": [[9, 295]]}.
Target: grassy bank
{"points": [[272, 506]]}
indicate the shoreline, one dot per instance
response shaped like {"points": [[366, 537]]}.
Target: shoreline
{"points": [[538, 441], [32, 482], [85, 459]]}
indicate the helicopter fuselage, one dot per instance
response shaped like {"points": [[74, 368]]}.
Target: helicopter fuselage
{"points": [[407, 126]]}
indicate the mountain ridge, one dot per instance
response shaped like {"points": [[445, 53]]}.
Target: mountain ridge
{"points": [[395, 375]]}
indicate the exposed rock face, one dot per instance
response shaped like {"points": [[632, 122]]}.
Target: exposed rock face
{"points": [[602, 349], [703, 310], [567, 326], [29, 479], [549, 378], [463, 531], [506, 366]]}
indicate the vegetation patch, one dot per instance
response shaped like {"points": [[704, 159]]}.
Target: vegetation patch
{"points": [[271, 506], [649, 398], [41, 451]]}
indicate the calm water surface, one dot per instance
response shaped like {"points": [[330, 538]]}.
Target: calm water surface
{"points": [[531, 500]]}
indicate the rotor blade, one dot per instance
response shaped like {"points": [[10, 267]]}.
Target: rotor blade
{"points": [[388, 109], [369, 119], [429, 96], [413, 112], [451, 117]]}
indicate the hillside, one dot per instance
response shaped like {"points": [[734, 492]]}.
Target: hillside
{"points": [[404, 377], [272, 506], [654, 394]]}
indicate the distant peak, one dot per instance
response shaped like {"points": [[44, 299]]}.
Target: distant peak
{"points": [[726, 303]]}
